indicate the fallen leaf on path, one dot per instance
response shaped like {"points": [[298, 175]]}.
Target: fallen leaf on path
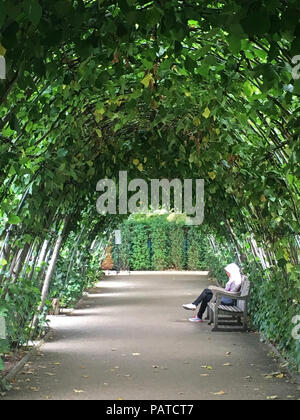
{"points": [[283, 365], [227, 364], [272, 397], [204, 374], [280, 376], [34, 388], [207, 367], [78, 391], [136, 354], [49, 374], [85, 376], [155, 366], [218, 393], [271, 374], [228, 353]]}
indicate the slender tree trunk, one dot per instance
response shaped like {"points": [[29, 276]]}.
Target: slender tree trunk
{"points": [[14, 260], [44, 259], [50, 272], [19, 263], [28, 257], [35, 259]]}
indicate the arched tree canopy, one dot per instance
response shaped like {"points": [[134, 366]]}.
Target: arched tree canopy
{"points": [[163, 89]]}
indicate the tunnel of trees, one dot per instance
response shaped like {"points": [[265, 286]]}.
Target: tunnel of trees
{"points": [[163, 89]]}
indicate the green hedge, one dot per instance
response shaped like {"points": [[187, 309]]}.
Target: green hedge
{"points": [[176, 246], [160, 242]]}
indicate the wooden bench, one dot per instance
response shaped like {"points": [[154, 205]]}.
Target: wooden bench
{"points": [[220, 314]]}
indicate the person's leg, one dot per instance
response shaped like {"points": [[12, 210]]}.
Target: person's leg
{"points": [[204, 294], [206, 299]]}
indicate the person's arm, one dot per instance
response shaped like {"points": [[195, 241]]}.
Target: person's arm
{"points": [[215, 289], [229, 285]]}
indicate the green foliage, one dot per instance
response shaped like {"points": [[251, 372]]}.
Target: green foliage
{"points": [[272, 310], [18, 302], [158, 236], [158, 242], [168, 89], [140, 256], [71, 278], [176, 236], [197, 249]]}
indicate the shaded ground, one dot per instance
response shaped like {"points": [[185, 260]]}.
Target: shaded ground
{"points": [[131, 339]]}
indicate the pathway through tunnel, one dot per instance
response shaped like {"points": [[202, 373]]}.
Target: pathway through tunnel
{"points": [[129, 338]]}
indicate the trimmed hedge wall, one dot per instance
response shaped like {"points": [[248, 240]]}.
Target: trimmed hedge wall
{"points": [[161, 242]]}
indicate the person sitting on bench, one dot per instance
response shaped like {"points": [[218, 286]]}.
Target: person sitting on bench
{"points": [[233, 285]]}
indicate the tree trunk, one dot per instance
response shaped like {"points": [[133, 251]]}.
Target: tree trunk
{"points": [[41, 275], [50, 271], [35, 259], [19, 263]]}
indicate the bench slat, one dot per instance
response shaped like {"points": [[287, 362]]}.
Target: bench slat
{"points": [[230, 308]]}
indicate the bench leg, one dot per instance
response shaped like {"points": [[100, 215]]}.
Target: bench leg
{"points": [[210, 315], [245, 322], [207, 313], [216, 320]]}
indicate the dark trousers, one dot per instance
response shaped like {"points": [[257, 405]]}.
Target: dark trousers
{"points": [[205, 297]]}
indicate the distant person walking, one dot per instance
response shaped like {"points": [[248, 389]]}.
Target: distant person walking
{"points": [[232, 286]]}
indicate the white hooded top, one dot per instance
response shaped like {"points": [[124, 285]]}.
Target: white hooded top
{"points": [[235, 280]]}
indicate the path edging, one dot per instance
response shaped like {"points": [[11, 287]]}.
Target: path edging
{"points": [[19, 366], [294, 376]]}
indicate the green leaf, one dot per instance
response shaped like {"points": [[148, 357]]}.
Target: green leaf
{"points": [[14, 220], [256, 23], [99, 132], [206, 113], [296, 90], [147, 80], [33, 11], [235, 44]]}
